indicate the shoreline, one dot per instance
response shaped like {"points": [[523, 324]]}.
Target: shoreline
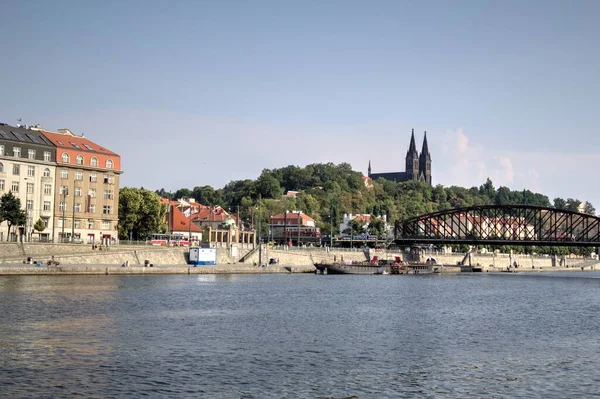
{"points": [[18, 269], [111, 269]]}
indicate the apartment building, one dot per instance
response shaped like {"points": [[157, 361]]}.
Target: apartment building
{"points": [[27, 168], [86, 197]]}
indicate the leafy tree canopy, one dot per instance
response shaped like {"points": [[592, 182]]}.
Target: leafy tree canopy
{"points": [[11, 212], [140, 213], [327, 191]]}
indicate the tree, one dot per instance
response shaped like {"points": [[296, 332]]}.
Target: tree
{"points": [[39, 226], [488, 189], [182, 193], [140, 213], [11, 212], [573, 204], [267, 186], [560, 203], [377, 226], [589, 209]]}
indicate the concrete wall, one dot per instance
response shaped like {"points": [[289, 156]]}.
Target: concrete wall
{"points": [[136, 255]]}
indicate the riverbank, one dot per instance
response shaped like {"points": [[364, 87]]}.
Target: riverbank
{"points": [[29, 270]]}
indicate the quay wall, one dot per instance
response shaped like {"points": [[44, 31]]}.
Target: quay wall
{"points": [[26, 269], [81, 254]]}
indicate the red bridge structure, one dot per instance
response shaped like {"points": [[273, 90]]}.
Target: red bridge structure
{"points": [[501, 225]]}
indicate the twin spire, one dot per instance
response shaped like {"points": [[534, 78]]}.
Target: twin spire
{"points": [[412, 149]]}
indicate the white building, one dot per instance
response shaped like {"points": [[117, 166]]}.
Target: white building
{"points": [[27, 169]]}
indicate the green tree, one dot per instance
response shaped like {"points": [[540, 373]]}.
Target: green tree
{"points": [[39, 226], [267, 186], [377, 226], [589, 208], [560, 203], [573, 204], [11, 212], [140, 213]]}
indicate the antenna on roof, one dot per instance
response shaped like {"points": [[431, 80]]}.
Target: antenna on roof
{"points": [[19, 122]]}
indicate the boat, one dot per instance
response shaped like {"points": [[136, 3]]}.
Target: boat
{"points": [[378, 266]]}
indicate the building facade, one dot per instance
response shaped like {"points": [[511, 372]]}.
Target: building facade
{"points": [[86, 195], [417, 166], [27, 169]]}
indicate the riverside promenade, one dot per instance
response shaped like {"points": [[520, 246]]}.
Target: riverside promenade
{"points": [[15, 259]]}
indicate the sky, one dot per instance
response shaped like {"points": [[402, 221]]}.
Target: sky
{"points": [[194, 93]]}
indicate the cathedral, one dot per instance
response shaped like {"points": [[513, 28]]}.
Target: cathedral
{"points": [[418, 167]]}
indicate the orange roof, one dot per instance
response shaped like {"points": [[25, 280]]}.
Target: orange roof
{"points": [[67, 140], [292, 216], [365, 218], [180, 222], [64, 138]]}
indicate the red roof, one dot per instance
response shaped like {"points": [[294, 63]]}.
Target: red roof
{"points": [[291, 217]]}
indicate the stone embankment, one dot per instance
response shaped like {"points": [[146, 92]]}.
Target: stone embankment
{"points": [[79, 255], [27, 269]]}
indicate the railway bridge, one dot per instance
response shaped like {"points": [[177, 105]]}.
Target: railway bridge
{"points": [[501, 225]]}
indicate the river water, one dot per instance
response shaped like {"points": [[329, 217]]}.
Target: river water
{"points": [[300, 336]]}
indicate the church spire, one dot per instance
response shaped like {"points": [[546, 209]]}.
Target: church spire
{"points": [[425, 149], [369, 170], [412, 149]]}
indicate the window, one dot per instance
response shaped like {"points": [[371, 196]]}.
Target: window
{"points": [[94, 161], [29, 205], [74, 144], [105, 225], [31, 171], [62, 206], [15, 187], [108, 194], [1, 167], [109, 164], [31, 154], [1, 185], [60, 222], [92, 208], [79, 159], [47, 189], [107, 209], [108, 179], [46, 172], [47, 156], [78, 191], [93, 177], [16, 169], [65, 157], [78, 175], [16, 152], [64, 190], [29, 188], [77, 224], [45, 222], [64, 174], [77, 207], [1, 150], [47, 205], [90, 225], [92, 192]]}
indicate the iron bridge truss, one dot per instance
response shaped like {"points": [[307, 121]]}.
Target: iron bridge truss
{"points": [[502, 225]]}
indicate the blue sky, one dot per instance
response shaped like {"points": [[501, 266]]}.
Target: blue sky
{"points": [[196, 92]]}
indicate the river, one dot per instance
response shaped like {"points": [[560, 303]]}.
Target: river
{"points": [[301, 336]]}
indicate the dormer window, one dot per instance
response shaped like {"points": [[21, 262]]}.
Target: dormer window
{"points": [[94, 161], [65, 157], [79, 159], [109, 164]]}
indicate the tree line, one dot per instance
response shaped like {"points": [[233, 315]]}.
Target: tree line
{"points": [[327, 191]]}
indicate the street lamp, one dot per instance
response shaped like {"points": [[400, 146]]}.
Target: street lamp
{"points": [[64, 207], [27, 208]]}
